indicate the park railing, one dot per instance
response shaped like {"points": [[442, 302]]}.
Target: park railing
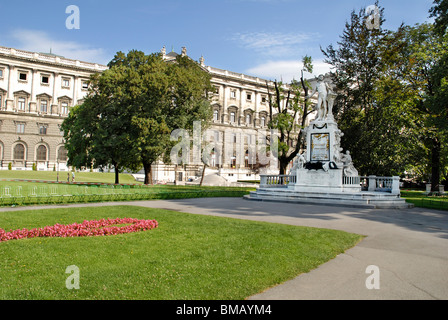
{"points": [[367, 183], [381, 184], [276, 181], [11, 195]]}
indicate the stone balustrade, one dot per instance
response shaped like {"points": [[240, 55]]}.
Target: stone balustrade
{"points": [[382, 184], [371, 183], [275, 181]]}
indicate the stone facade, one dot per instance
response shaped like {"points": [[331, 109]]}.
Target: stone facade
{"points": [[37, 91]]}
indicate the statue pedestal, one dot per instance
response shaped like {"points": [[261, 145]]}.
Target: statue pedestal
{"points": [[325, 166], [323, 181]]}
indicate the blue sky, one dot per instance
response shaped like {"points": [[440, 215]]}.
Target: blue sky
{"points": [[264, 38]]}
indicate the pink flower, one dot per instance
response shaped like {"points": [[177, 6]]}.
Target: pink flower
{"points": [[100, 227]]}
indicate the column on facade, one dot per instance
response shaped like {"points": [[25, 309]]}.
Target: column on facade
{"points": [[54, 104], [9, 98], [225, 116], [75, 88], [256, 119], [241, 119], [225, 157], [33, 102]]}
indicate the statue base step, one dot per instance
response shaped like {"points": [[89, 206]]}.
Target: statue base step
{"points": [[363, 199]]}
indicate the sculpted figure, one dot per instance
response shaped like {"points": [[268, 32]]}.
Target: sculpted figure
{"points": [[299, 162], [323, 90], [349, 168]]}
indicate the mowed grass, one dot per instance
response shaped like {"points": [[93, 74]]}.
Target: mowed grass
{"points": [[187, 257], [99, 177], [420, 199]]}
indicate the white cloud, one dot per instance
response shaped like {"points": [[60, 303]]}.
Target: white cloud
{"points": [[39, 41], [286, 70], [274, 44]]}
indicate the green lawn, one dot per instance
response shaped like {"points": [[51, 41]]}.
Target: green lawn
{"points": [[14, 193], [187, 257], [419, 199], [79, 176]]}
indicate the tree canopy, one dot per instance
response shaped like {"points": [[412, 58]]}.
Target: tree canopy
{"points": [[132, 108], [391, 102]]}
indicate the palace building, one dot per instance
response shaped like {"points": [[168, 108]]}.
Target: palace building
{"points": [[37, 91]]}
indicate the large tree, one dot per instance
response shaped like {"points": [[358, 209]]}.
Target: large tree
{"points": [[377, 126], [426, 77], [289, 107], [150, 97], [96, 133]]}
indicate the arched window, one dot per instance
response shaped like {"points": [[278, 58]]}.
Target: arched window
{"points": [[19, 152], [62, 154], [248, 118], [232, 117], [41, 154], [215, 115], [262, 122]]}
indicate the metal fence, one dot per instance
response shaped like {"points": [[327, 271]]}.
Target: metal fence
{"points": [[65, 193]]}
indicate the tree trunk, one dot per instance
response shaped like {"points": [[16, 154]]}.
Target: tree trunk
{"points": [[203, 174], [283, 165], [148, 173], [117, 174], [435, 164]]}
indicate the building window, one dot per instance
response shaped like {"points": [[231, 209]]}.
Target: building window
{"points": [[262, 121], [19, 152], [41, 154], [216, 90], [20, 128], [1, 101], [233, 94], [215, 115], [232, 117], [1, 73], [23, 76], [65, 82], [21, 104], [85, 85], [43, 106], [45, 79], [42, 129], [62, 154], [64, 108], [248, 118], [249, 97]]}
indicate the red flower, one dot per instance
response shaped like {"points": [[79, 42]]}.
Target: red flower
{"points": [[100, 227]]}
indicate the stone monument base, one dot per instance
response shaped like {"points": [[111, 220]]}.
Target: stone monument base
{"points": [[363, 199], [324, 181]]}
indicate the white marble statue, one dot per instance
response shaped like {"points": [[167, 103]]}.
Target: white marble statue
{"points": [[349, 168], [324, 92], [299, 162]]}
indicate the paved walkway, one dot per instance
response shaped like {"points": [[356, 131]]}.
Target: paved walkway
{"points": [[410, 247]]}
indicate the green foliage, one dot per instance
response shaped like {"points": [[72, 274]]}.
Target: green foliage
{"points": [[390, 102], [288, 114], [34, 166], [10, 166], [132, 107], [440, 12]]}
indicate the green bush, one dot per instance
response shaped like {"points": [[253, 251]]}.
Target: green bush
{"points": [[10, 166]]}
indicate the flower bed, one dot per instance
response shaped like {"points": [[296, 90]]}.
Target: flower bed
{"points": [[102, 227]]}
